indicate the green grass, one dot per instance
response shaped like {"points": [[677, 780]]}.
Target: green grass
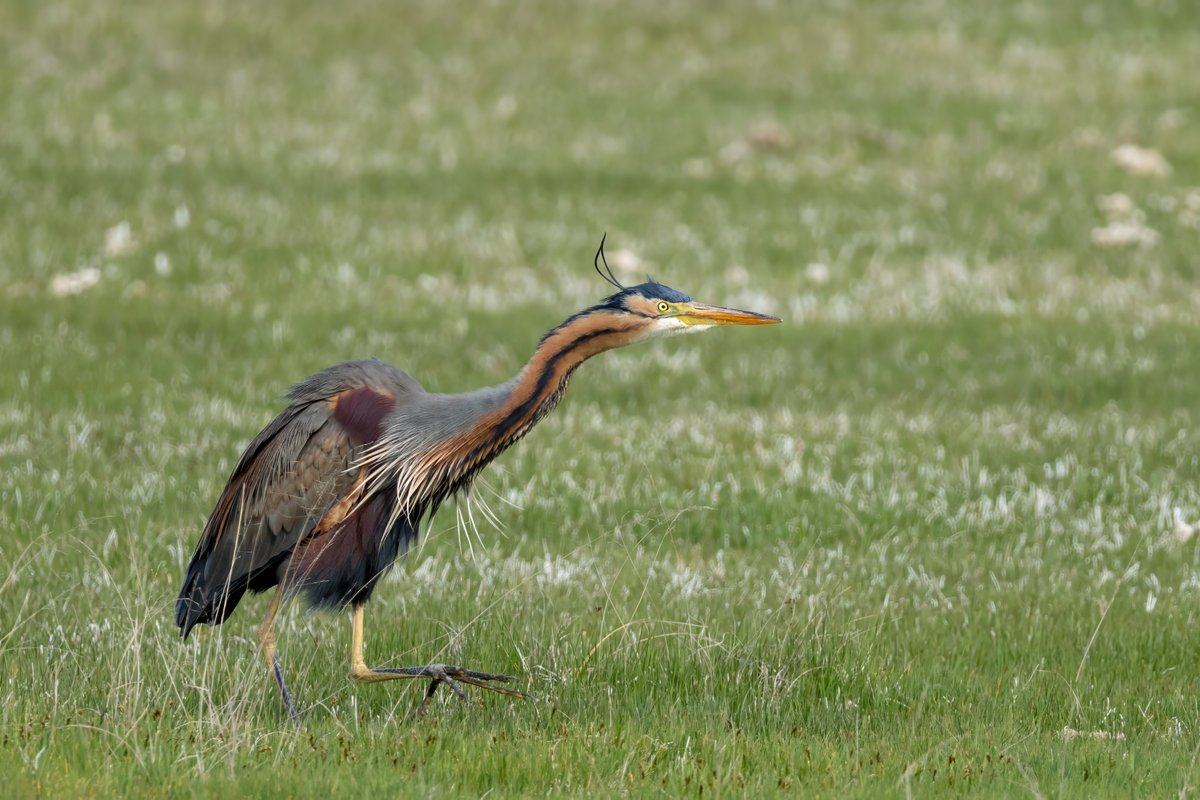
{"points": [[894, 546]]}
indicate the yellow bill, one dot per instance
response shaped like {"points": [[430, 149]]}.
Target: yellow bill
{"points": [[700, 314]]}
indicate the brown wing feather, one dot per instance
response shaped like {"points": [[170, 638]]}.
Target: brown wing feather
{"points": [[294, 473]]}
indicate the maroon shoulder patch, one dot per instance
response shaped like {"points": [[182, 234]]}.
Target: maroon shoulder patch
{"points": [[361, 411]]}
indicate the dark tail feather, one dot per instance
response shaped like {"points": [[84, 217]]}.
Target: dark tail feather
{"points": [[200, 603]]}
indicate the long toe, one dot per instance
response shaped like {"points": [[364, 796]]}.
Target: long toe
{"points": [[452, 676], [442, 677], [483, 676], [485, 680]]}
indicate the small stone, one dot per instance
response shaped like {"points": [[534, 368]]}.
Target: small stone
{"points": [[1141, 161], [1123, 234]]}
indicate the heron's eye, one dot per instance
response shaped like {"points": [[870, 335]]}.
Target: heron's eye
{"points": [[663, 307]]}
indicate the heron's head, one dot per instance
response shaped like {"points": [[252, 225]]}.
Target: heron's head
{"points": [[663, 311]]}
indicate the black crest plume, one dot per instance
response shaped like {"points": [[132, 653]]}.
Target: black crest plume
{"points": [[596, 263]]}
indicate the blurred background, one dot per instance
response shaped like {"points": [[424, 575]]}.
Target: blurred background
{"points": [[966, 460]]}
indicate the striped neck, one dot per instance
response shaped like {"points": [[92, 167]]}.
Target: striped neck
{"points": [[540, 385], [537, 388], [422, 472]]}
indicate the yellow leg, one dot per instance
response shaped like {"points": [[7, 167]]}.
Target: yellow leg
{"points": [[270, 653], [436, 673], [266, 631], [358, 667]]}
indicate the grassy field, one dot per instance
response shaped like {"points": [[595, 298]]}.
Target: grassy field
{"points": [[930, 537]]}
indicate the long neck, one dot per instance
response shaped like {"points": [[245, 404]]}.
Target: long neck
{"points": [[462, 433], [521, 403], [537, 389]]}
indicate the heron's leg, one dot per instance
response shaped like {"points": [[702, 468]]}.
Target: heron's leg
{"points": [[266, 637], [436, 673]]}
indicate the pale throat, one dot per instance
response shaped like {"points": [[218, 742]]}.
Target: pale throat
{"points": [[671, 326]]}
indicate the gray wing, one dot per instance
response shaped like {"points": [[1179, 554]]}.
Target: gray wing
{"points": [[289, 478]]}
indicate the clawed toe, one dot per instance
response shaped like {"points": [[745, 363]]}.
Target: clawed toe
{"points": [[484, 680], [452, 676]]}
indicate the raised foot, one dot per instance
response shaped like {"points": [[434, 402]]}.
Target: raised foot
{"points": [[452, 676]]}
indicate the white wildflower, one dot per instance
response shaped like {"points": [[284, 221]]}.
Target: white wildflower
{"points": [[626, 263], [1183, 530], [735, 151], [1116, 206], [817, 272], [506, 107], [70, 283], [118, 239]]}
